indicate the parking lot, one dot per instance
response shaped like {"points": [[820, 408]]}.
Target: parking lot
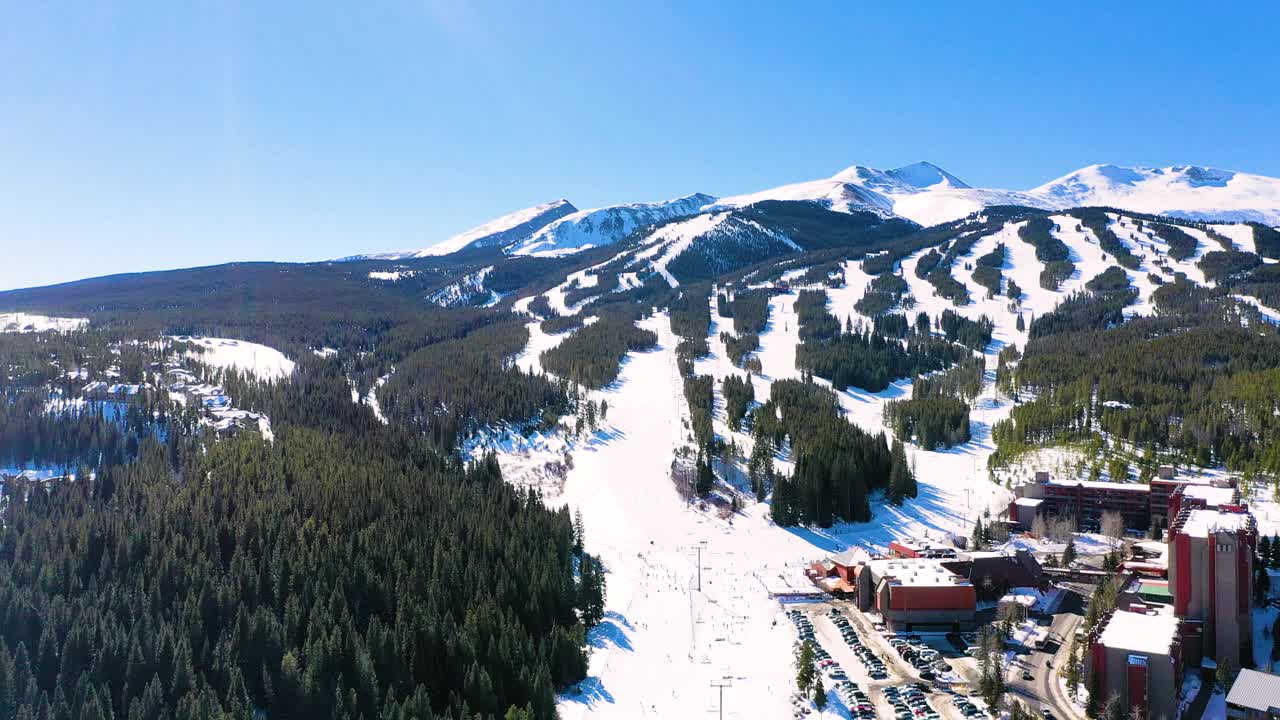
{"points": [[882, 677]]}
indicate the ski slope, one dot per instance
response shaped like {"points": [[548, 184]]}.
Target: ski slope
{"points": [[665, 639]]}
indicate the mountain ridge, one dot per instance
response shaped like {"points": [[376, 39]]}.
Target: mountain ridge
{"points": [[921, 192]]}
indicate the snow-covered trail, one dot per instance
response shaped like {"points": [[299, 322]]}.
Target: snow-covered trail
{"points": [[664, 641]]}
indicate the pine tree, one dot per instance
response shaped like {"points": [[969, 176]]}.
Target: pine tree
{"points": [[900, 480], [1073, 671], [591, 590], [579, 532], [978, 535], [819, 695], [1069, 552], [24, 682], [805, 671], [1225, 675]]}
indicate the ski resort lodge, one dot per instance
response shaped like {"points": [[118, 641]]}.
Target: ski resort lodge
{"points": [[1140, 504], [926, 585], [1138, 656], [912, 593], [1211, 576]]}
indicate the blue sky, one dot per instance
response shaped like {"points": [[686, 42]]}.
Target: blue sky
{"points": [[145, 135]]}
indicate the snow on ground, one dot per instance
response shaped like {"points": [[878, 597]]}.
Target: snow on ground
{"points": [[540, 342], [391, 275], [1086, 544], [1217, 707], [465, 291], [38, 471], [674, 238], [1242, 237], [582, 278], [663, 640], [23, 322], [1264, 619], [263, 362], [661, 631], [1270, 315], [1190, 691]]}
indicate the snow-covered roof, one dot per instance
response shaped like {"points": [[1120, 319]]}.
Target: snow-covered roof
{"points": [[1024, 600], [1212, 496], [851, 557], [1137, 632], [1201, 522], [1028, 502], [917, 572], [1255, 690]]}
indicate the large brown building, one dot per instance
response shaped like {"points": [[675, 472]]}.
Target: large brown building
{"points": [[912, 594], [1138, 657], [1211, 573], [1086, 500]]}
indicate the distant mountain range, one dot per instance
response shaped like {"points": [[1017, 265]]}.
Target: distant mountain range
{"points": [[921, 192], [929, 195]]}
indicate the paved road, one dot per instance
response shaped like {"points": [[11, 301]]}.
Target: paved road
{"points": [[1044, 688]]}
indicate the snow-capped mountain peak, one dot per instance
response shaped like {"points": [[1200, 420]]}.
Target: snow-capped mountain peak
{"points": [[1188, 191], [602, 226], [499, 232], [908, 178]]}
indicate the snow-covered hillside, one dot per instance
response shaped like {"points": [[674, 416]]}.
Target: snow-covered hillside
{"points": [[922, 192], [500, 232], [929, 195], [714, 233], [1186, 191], [467, 290], [593, 228], [266, 363], [664, 630]]}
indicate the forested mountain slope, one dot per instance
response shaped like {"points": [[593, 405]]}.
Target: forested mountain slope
{"points": [[738, 371]]}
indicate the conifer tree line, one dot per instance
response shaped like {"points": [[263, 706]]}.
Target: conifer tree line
{"points": [[1050, 250], [930, 418], [1201, 379], [556, 324], [592, 356], [987, 269], [453, 388], [690, 314], [739, 394], [325, 574], [1182, 246], [860, 357], [973, 334], [749, 310], [1112, 280], [883, 293], [837, 464], [937, 413], [345, 569], [1100, 225]]}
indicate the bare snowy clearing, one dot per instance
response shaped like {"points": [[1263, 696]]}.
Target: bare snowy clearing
{"points": [[259, 360], [23, 322]]}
